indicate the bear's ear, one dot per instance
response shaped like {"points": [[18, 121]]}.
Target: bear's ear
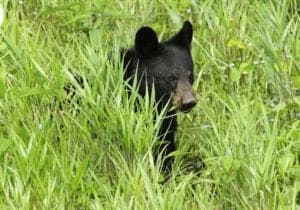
{"points": [[184, 37], [146, 42]]}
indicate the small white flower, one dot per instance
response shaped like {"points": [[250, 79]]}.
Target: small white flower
{"points": [[229, 152], [1, 15], [40, 126], [231, 65]]}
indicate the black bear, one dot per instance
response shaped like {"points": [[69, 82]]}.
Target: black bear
{"points": [[168, 67]]}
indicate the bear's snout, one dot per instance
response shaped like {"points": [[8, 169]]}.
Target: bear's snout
{"points": [[188, 101], [184, 98]]}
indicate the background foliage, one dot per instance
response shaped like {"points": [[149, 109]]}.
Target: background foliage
{"points": [[57, 154]]}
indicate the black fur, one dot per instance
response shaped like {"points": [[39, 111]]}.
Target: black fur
{"points": [[168, 67]]}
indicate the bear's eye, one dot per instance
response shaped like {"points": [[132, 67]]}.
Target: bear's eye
{"points": [[172, 78], [191, 78]]}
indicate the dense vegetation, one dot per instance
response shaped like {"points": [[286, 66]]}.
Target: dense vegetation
{"points": [[56, 153]]}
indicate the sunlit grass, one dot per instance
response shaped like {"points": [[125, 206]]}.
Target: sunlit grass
{"points": [[97, 154]]}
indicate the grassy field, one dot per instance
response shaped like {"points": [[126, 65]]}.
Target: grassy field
{"points": [[97, 154]]}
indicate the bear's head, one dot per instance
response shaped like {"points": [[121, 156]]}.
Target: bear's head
{"points": [[167, 66]]}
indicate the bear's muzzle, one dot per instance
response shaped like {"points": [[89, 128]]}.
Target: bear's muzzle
{"points": [[184, 98]]}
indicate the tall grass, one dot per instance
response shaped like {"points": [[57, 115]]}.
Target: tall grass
{"points": [[97, 154]]}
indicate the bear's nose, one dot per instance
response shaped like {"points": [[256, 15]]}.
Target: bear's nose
{"points": [[188, 103]]}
